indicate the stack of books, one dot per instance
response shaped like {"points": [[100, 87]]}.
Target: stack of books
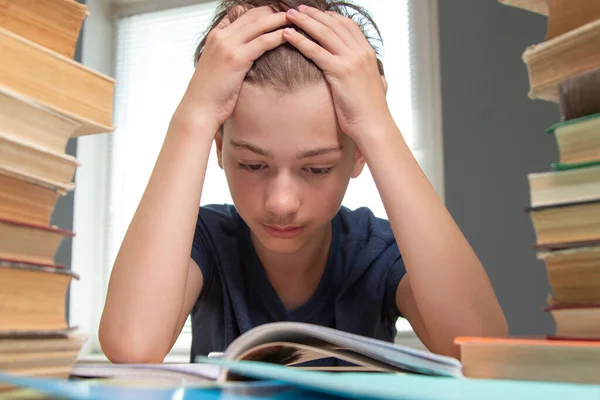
{"points": [[45, 99], [564, 206]]}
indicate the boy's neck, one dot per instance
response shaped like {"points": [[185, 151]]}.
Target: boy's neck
{"points": [[296, 276]]}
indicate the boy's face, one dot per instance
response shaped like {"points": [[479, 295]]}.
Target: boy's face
{"points": [[287, 163]]}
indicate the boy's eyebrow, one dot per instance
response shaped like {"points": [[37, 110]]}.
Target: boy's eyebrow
{"points": [[319, 152], [252, 148], [300, 155]]}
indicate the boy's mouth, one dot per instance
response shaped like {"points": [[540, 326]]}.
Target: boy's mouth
{"points": [[283, 232]]}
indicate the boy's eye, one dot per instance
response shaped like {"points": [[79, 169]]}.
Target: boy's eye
{"points": [[319, 171], [252, 167]]}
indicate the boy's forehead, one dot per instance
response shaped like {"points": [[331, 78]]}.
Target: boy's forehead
{"points": [[262, 113], [285, 139]]}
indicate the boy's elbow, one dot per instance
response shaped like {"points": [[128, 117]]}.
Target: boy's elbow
{"points": [[493, 324], [127, 348], [496, 325], [502, 326]]}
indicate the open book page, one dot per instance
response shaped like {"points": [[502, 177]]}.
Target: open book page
{"points": [[298, 355], [402, 357]]}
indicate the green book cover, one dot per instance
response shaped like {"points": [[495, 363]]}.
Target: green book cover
{"points": [[573, 121], [566, 167]]}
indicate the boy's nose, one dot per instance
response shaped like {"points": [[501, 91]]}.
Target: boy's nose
{"points": [[282, 199]]}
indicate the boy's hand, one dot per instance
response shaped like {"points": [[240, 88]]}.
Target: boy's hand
{"points": [[228, 55], [350, 66]]}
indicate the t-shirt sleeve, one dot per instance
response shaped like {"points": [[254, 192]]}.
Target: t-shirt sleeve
{"points": [[201, 252], [395, 271]]}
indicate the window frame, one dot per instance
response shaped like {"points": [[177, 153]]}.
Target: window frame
{"points": [[89, 255]]}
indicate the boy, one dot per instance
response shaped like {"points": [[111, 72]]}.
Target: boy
{"points": [[293, 120]]}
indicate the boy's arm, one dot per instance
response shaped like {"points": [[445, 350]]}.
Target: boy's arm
{"points": [[446, 292], [151, 274], [194, 285]]}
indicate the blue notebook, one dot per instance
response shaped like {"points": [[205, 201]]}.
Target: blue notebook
{"points": [[408, 386]]}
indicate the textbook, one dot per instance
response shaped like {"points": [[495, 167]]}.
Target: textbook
{"points": [[54, 24], [300, 345], [574, 222], [26, 198], [577, 139], [29, 243], [563, 15], [552, 61], [296, 345], [24, 158], [38, 354], [580, 95], [559, 187], [32, 297], [574, 274], [578, 322], [22, 118], [532, 359], [59, 83]]}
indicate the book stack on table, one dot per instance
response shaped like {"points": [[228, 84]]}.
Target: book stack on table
{"points": [[46, 98]]}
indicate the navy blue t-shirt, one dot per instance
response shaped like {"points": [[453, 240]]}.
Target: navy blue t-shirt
{"points": [[356, 293]]}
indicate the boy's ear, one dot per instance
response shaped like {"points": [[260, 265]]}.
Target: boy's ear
{"points": [[385, 84], [219, 147], [359, 162]]}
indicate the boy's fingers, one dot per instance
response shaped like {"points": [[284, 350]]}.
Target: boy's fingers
{"points": [[231, 15], [262, 44], [333, 23], [225, 22], [242, 17], [310, 49], [323, 34], [260, 26], [352, 27]]}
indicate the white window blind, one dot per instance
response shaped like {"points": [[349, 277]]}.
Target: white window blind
{"points": [[154, 63]]}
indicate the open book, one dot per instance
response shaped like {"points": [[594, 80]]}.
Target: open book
{"points": [[300, 345], [297, 345]]}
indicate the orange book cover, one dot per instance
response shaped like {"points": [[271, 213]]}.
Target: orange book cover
{"points": [[526, 341]]}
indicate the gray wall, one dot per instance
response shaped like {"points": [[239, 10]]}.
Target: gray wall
{"points": [[493, 136]]}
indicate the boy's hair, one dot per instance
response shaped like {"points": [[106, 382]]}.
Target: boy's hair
{"points": [[285, 68]]}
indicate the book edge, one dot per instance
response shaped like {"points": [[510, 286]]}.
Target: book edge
{"points": [[38, 267], [552, 129], [5, 32], [53, 229], [533, 209], [537, 48], [533, 340]]}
